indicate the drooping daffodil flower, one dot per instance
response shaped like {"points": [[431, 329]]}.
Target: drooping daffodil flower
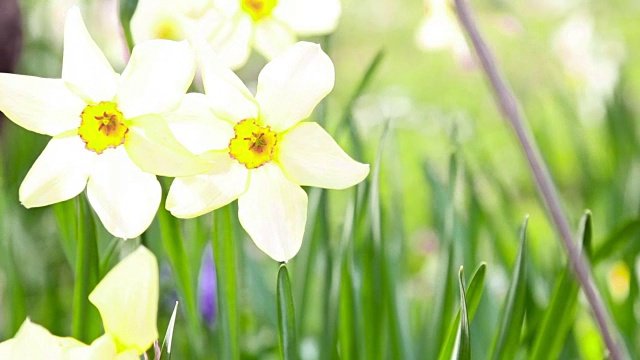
{"points": [[261, 151], [232, 27], [108, 132], [127, 299]]}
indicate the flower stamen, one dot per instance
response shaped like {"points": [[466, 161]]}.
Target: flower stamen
{"points": [[102, 126], [253, 145], [258, 9]]}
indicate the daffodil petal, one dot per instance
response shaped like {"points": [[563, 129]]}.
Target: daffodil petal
{"points": [[309, 17], [232, 41], [229, 98], [195, 126], [273, 37], [128, 355], [6, 349], [309, 156], [152, 146], [103, 348], [124, 197], [85, 69], [44, 106], [60, 173], [196, 195], [273, 211], [127, 299], [156, 77], [292, 84], [35, 342]]}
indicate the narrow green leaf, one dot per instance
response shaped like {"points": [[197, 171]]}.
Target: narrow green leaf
{"points": [[224, 253], [473, 296], [462, 347], [286, 316], [347, 118], [86, 320], [173, 244], [126, 10], [560, 313], [508, 337], [618, 239]]}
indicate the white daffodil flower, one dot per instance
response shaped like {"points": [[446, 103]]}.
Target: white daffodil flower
{"points": [[174, 20], [261, 153], [127, 299], [107, 129], [440, 30], [232, 27]]}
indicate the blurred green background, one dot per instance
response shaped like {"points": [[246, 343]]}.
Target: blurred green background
{"points": [[376, 276]]}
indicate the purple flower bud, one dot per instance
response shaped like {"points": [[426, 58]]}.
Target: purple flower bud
{"points": [[208, 287]]}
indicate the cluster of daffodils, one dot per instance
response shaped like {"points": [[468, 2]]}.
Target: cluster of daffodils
{"points": [[113, 133], [127, 299], [233, 27]]}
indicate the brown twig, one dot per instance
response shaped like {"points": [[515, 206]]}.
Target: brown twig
{"points": [[511, 111]]}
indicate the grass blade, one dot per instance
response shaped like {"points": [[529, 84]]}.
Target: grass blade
{"points": [[617, 239], [472, 296], [508, 339], [560, 314], [286, 316], [462, 348]]}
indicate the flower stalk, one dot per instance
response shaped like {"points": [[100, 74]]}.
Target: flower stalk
{"points": [[86, 276], [511, 111]]}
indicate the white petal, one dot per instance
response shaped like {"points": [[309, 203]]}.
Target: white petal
{"points": [[196, 195], [60, 172], [309, 156], [273, 37], [6, 349], [127, 298], [273, 211], [45, 106], [229, 98], [35, 342], [292, 84], [103, 348], [156, 78], [125, 198], [195, 126], [309, 17], [152, 146], [85, 69], [232, 41]]}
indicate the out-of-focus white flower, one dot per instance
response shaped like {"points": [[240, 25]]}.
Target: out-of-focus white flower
{"points": [[127, 299], [232, 27], [174, 20], [262, 153], [108, 132], [440, 30], [591, 64]]}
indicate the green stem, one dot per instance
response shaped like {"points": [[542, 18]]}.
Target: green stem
{"points": [[286, 316], [86, 276], [224, 253]]}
